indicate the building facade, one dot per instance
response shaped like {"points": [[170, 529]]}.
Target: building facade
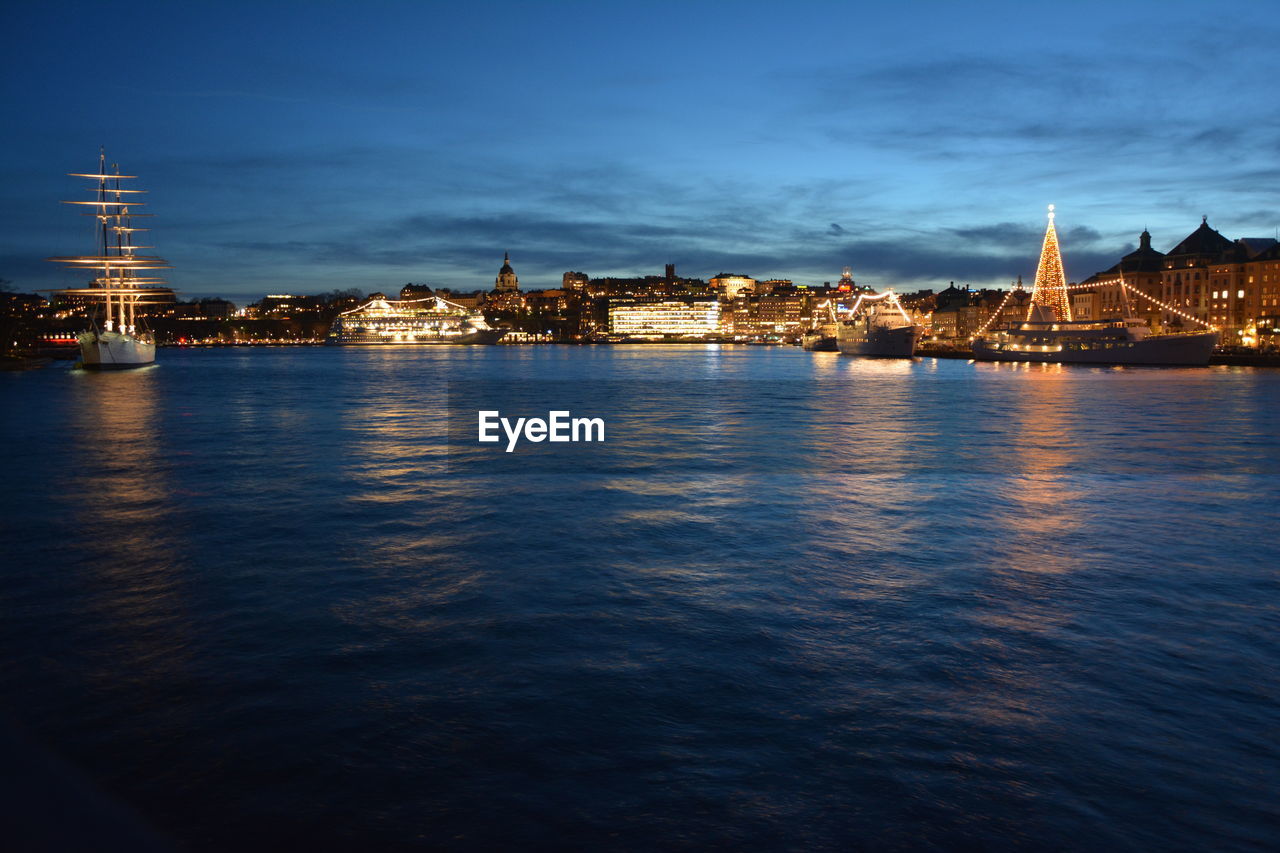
{"points": [[665, 318]]}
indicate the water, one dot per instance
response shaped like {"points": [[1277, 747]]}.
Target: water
{"points": [[794, 601]]}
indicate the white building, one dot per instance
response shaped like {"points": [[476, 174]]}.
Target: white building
{"points": [[670, 318]]}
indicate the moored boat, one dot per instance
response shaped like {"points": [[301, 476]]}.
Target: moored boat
{"points": [[822, 336], [1118, 341], [123, 277], [879, 327], [821, 339]]}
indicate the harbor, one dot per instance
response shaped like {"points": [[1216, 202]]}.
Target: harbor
{"points": [[629, 428]]}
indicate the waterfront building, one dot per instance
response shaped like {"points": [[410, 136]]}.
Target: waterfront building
{"points": [[283, 306], [665, 318], [549, 300], [959, 313], [1236, 281], [1263, 279], [1142, 269], [1218, 281], [752, 315], [729, 285], [1185, 277]]}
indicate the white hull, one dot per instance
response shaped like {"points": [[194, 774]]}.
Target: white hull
{"points": [[1177, 349], [878, 341], [115, 350]]}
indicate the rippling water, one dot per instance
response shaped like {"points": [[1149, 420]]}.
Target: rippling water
{"points": [[794, 601]]}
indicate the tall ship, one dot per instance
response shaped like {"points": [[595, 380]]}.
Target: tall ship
{"points": [[878, 326], [1049, 334], [431, 320], [122, 278]]}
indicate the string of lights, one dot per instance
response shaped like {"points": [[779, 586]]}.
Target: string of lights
{"points": [[1050, 288], [876, 297], [982, 330]]}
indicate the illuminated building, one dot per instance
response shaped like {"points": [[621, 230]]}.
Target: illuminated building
{"points": [[1205, 279], [1142, 269], [730, 284], [754, 315], [575, 281], [506, 281], [655, 319], [549, 300], [959, 313]]}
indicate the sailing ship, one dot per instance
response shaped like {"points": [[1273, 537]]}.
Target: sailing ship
{"points": [[432, 320], [1049, 334], [122, 277], [878, 326]]}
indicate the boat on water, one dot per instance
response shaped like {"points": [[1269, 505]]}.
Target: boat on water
{"points": [[1050, 335], [822, 337], [1126, 340], [123, 278], [878, 326], [431, 320]]}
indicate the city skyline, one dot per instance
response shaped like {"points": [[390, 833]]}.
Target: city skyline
{"points": [[294, 148]]}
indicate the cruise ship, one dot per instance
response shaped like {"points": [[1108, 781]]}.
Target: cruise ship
{"points": [[1049, 335], [432, 320], [878, 326]]}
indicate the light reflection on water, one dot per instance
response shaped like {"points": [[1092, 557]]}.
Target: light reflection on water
{"points": [[795, 599]]}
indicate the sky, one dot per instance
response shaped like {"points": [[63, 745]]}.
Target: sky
{"points": [[306, 147]]}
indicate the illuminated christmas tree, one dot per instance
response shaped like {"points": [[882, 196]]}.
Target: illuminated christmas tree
{"points": [[1051, 282]]}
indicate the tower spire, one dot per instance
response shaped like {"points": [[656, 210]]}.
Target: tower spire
{"points": [[1050, 289]]}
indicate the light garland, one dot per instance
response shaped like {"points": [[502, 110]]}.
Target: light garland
{"points": [[876, 297], [982, 330], [1050, 287]]}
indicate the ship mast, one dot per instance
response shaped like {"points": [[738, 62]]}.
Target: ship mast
{"points": [[118, 282], [102, 225]]}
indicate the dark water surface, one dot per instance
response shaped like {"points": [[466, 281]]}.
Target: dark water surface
{"points": [[280, 598]]}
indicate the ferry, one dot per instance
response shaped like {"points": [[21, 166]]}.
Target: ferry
{"points": [[432, 320]]}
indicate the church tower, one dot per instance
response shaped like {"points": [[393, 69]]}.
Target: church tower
{"points": [[506, 282]]}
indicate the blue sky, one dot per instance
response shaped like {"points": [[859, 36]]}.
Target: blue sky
{"points": [[311, 146]]}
